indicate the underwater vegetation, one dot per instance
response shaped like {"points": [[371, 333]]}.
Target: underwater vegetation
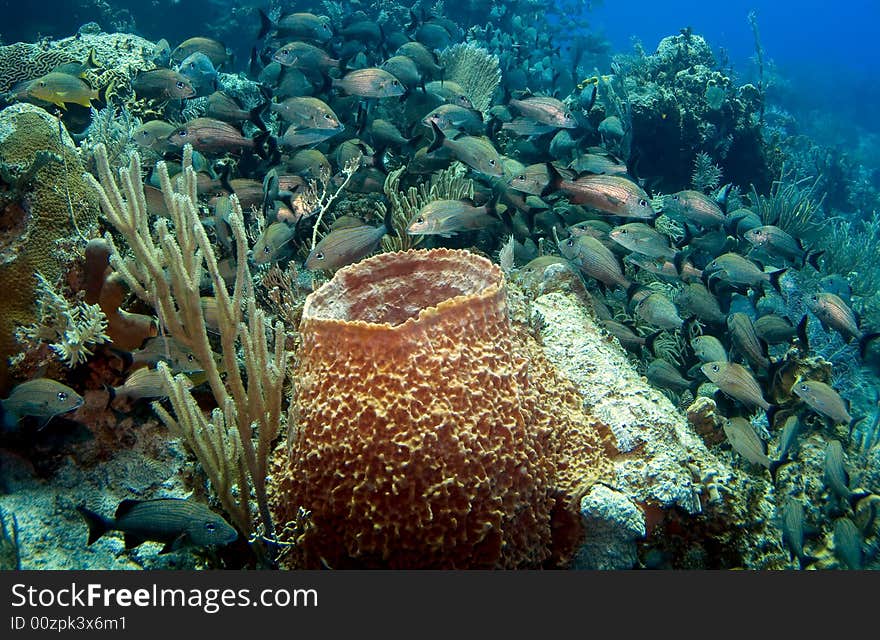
{"points": [[414, 286]]}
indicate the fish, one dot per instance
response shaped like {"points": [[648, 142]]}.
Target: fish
{"points": [[449, 92], [746, 341], [708, 348], [161, 55], [741, 220], [424, 59], [788, 440], [162, 84], [180, 359], [681, 270], [200, 71], [546, 110], [145, 383], [838, 285], [627, 337], [404, 69], [835, 474], [775, 241], [371, 82], [296, 137], [221, 107], [834, 313], [532, 179], [384, 134], [61, 89], [448, 217], [311, 163], [477, 153], [596, 163], [210, 136], [611, 127], [300, 25], [848, 544], [613, 195], [216, 52], [153, 135], [42, 398], [594, 259], [273, 244], [736, 381], [662, 374], [343, 246], [453, 118], [823, 400], [362, 29], [527, 127], [775, 329], [746, 442], [306, 57], [657, 310], [641, 238], [694, 206], [733, 269], [175, 522], [306, 112], [696, 300], [793, 531]]}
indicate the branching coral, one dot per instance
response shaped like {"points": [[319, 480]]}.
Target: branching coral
{"points": [[72, 329], [473, 68], [114, 128], [165, 270]]}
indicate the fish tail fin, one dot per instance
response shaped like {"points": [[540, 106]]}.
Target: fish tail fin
{"points": [[775, 277], [813, 259], [98, 524], [555, 179], [775, 466], [803, 340], [111, 395], [863, 343], [255, 115], [225, 172], [266, 25], [649, 341], [805, 561], [678, 262], [855, 497], [771, 415], [439, 137]]}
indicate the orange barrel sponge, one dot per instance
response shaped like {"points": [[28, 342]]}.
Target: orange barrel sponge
{"points": [[420, 442]]}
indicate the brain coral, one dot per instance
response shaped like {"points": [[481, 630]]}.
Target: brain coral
{"points": [[430, 433], [40, 180]]}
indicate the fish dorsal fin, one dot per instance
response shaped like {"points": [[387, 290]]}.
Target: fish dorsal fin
{"points": [[125, 506], [468, 201]]}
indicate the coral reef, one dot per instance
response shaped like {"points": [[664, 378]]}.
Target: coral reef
{"points": [[43, 212], [681, 103], [429, 433]]}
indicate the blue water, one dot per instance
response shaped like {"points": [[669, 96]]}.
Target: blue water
{"points": [[827, 51]]}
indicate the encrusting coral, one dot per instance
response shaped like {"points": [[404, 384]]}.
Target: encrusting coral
{"points": [[430, 433]]}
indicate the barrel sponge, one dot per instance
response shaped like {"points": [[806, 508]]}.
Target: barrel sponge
{"points": [[429, 435], [39, 169]]}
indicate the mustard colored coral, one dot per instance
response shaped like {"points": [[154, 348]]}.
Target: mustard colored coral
{"points": [[430, 433], [41, 173]]}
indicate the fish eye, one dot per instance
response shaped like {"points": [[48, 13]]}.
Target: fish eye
{"points": [[675, 198], [62, 395], [267, 249], [570, 243], [521, 177], [420, 220], [643, 202], [190, 357], [210, 526], [804, 387], [326, 28], [284, 52], [395, 83], [319, 256], [715, 368], [624, 231], [180, 85], [326, 116], [492, 163], [182, 133], [42, 83]]}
